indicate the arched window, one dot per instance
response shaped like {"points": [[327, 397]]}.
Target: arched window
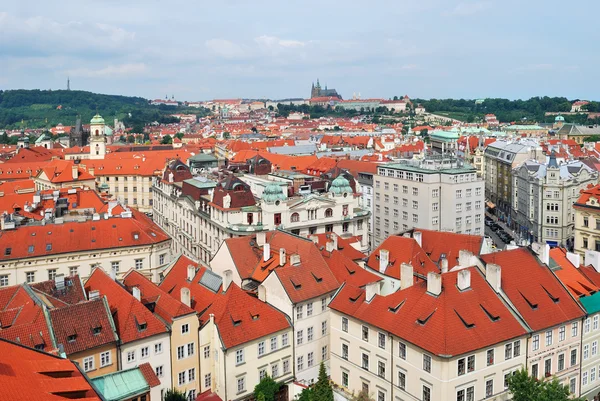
{"points": [[329, 212], [295, 218], [97, 132]]}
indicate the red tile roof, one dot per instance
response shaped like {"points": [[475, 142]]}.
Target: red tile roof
{"points": [[132, 319], [347, 271], [72, 292], [402, 250], [571, 276], [453, 323], [535, 292], [436, 243], [83, 326], [149, 374], [31, 375], [61, 171], [344, 245]]}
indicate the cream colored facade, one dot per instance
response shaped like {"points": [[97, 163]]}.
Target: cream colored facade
{"points": [[390, 377], [42, 182], [587, 226], [132, 190], [186, 365], [95, 353], [152, 259], [233, 378], [590, 356]]}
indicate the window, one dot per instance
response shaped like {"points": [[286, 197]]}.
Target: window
{"points": [[284, 340], [309, 309], [404, 189], [88, 363], [159, 371], [517, 348], [365, 361], [595, 325], [572, 385], [299, 311], [145, 351], [548, 338], [300, 363], [381, 368], [478, 191], [435, 193], [561, 362], [490, 357], [30, 277], [323, 304], [573, 357], [206, 352], [548, 367], [181, 352], [586, 352], [309, 334], [402, 380], [365, 333], [185, 328], [426, 393], [461, 367], [458, 193], [273, 343], [191, 374], [402, 350], [286, 366], [130, 356], [51, 274], [241, 384], [415, 191], [471, 364], [427, 363], [323, 352], [139, 264], [345, 380], [104, 359], [586, 325], [157, 348], [275, 370], [207, 380], [262, 374], [115, 266], [434, 220], [261, 348], [415, 204], [380, 395], [310, 359], [381, 340], [534, 370], [4, 280], [574, 329], [489, 387], [299, 337], [161, 259], [345, 351], [594, 348], [73, 271], [239, 356], [584, 380], [324, 328], [405, 215], [477, 205], [508, 351], [592, 374]]}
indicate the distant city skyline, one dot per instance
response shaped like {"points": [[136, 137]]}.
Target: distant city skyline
{"points": [[236, 49]]}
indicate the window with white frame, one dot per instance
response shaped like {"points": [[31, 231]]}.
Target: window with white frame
{"points": [[299, 337], [365, 361], [426, 393], [104, 359], [381, 368], [309, 334], [490, 357], [548, 338], [130, 356], [206, 352], [587, 325], [261, 348], [427, 363], [310, 360], [309, 309], [574, 329], [273, 343], [191, 374], [489, 387], [299, 311], [262, 374], [300, 363], [241, 384], [345, 380], [145, 352], [402, 350], [181, 378], [402, 380], [185, 328], [207, 380], [181, 352], [323, 352], [536, 342], [158, 348], [365, 333], [323, 304], [284, 339], [88, 363], [139, 264], [345, 351], [239, 356], [381, 340], [286, 366], [159, 371], [275, 370], [562, 333]]}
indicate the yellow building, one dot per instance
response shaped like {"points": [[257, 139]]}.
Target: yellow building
{"points": [[587, 221]]}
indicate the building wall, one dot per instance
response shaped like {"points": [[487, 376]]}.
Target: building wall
{"points": [[98, 370], [131, 190], [591, 363], [190, 360], [587, 229]]}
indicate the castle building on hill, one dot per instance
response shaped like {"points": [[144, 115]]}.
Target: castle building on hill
{"points": [[317, 91]]}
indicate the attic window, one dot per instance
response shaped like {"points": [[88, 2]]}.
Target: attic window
{"points": [[552, 297], [531, 305], [467, 324], [7, 251], [423, 321], [71, 338], [350, 271], [97, 330], [136, 236], [48, 247], [355, 297], [93, 228], [33, 234], [254, 317], [297, 286], [30, 250], [396, 308], [317, 279], [492, 317], [142, 326], [152, 234], [236, 321]]}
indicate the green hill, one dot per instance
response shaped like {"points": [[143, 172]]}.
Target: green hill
{"points": [[46, 108]]}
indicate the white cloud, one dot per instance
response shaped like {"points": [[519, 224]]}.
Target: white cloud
{"points": [[272, 41], [225, 48], [470, 8], [111, 71]]}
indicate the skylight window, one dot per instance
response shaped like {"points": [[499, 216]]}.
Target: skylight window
{"points": [[48, 247], [7, 251]]}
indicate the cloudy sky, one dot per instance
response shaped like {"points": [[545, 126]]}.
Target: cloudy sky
{"points": [[199, 50]]}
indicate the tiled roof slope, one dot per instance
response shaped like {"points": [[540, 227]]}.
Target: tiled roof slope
{"points": [[72, 292], [436, 243], [402, 250], [132, 319], [535, 292], [453, 323], [30, 375], [347, 271]]}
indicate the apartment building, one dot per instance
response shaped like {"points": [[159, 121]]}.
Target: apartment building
{"points": [[587, 221], [182, 322], [241, 339], [477, 346], [501, 157], [437, 193], [144, 338], [552, 315], [543, 198], [71, 231]]}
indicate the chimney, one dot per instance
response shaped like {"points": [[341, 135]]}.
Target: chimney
{"points": [[592, 258], [295, 259], [191, 272], [434, 283], [329, 246], [574, 258], [113, 274], [465, 258], [444, 265], [334, 237], [543, 252], [418, 236], [262, 293], [75, 171], [493, 275], [464, 279], [94, 294], [384, 260], [227, 278], [266, 252], [185, 296], [371, 290], [261, 238], [314, 239], [136, 293], [406, 275], [91, 170], [282, 257]]}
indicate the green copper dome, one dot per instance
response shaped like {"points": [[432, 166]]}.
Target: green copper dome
{"points": [[273, 193], [97, 119], [340, 185], [559, 118]]}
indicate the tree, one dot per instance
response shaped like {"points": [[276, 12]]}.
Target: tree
{"points": [[179, 135], [363, 395], [130, 139], [323, 390], [267, 387], [306, 395], [260, 397], [226, 135], [526, 388], [166, 140], [174, 395]]}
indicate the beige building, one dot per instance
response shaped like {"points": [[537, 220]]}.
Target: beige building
{"points": [[587, 221]]}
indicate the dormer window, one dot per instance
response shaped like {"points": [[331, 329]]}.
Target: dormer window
{"points": [[71, 338], [97, 330], [7, 251]]}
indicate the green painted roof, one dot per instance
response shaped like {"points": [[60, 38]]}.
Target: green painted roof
{"points": [[444, 135], [591, 303], [203, 157], [121, 385], [97, 119], [523, 128], [200, 184], [559, 118], [273, 192], [340, 185]]}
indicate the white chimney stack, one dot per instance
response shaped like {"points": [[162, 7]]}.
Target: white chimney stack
{"points": [[465, 258], [136, 293], [261, 238], [282, 257], [295, 259], [384, 260], [418, 236], [314, 238], [329, 247], [94, 294], [266, 252], [185, 296], [444, 265], [75, 171], [227, 279], [371, 290], [334, 237], [493, 275], [406, 276], [543, 252], [191, 272], [262, 293], [574, 258], [464, 279], [434, 283], [592, 258]]}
